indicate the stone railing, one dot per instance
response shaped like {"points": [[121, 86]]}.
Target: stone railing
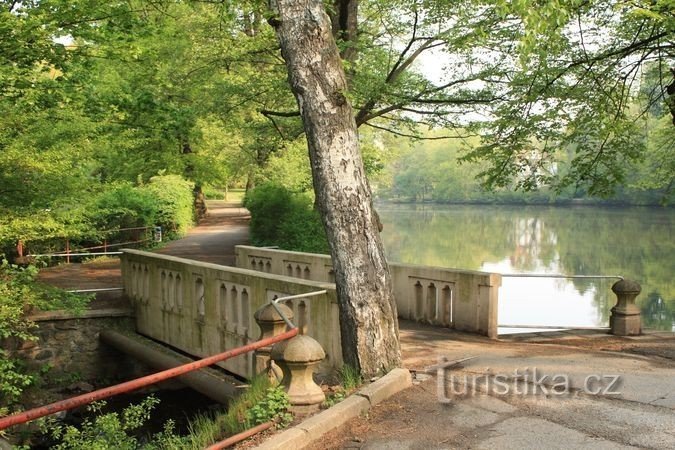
{"points": [[460, 299], [204, 309]]}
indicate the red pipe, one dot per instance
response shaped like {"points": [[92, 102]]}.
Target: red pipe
{"points": [[240, 436], [138, 383]]}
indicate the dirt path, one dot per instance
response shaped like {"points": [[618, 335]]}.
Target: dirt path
{"points": [[213, 240]]}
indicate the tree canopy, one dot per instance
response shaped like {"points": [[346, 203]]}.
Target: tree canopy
{"points": [[94, 92]]}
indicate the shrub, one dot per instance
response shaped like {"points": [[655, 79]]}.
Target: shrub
{"points": [[124, 206], [175, 202], [258, 404], [108, 431], [288, 220], [44, 230], [268, 204], [301, 228], [166, 201]]}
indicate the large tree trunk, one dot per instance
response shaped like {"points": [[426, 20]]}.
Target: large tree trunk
{"points": [[368, 319]]}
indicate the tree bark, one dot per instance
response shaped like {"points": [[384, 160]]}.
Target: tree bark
{"points": [[368, 318]]}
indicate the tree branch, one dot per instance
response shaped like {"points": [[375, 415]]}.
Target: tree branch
{"points": [[267, 113], [413, 136]]}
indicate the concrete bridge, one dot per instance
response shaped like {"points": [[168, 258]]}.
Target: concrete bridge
{"points": [[203, 308]]}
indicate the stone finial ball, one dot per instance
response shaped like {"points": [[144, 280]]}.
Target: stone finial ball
{"points": [[298, 350], [626, 287], [269, 314]]}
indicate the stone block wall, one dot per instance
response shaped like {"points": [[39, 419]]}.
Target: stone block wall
{"points": [[68, 349]]}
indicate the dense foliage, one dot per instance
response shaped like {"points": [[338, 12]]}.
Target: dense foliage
{"points": [[98, 93], [434, 170], [123, 430], [21, 294], [282, 218], [166, 201]]}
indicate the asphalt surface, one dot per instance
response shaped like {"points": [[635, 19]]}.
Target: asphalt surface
{"points": [[214, 239], [612, 399]]}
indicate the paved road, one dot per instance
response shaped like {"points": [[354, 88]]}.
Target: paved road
{"points": [[442, 411], [214, 239]]}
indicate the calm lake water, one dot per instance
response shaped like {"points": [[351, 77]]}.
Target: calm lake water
{"points": [[634, 242]]}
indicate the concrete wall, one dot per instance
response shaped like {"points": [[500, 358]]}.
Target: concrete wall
{"points": [[204, 308], [460, 299]]}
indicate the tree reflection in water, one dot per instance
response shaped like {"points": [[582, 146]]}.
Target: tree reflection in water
{"points": [[634, 242]]}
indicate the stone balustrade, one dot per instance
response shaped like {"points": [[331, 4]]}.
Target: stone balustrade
{"points": [[625, 319], [460, 299], [204, 309]]}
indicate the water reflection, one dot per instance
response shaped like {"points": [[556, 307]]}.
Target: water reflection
{"points": [[634, 242]]}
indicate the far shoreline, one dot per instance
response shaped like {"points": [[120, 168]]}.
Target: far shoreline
{"points": [[555, 203]]}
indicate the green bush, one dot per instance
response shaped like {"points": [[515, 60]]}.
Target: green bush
{"points": [[267, 203], [166, 201], [288, 220], [111, 430], [175, 203], [258, 404], [124, 206], [301, 228], [44, 230]]}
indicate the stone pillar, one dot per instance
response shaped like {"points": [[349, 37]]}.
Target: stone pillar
{"points": [[625, 317], [271, 324], [298, 358]]}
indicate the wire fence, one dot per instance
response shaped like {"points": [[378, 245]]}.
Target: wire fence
{"points": [[130, 236]]}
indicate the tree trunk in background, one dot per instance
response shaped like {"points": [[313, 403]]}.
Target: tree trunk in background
{"points": [[344, 19], [188, 174], [250, 181], [368, 318]]}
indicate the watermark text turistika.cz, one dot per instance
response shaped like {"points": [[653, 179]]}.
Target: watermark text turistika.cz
{"points": [[524, 381]]}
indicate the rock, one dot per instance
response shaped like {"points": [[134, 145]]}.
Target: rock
{"points": [[81, 386], [44, 354]]}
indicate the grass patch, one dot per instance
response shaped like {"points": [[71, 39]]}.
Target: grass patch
{"points": [[350, 377], [101, 259], [350, 380], [235, 195], [261, 402]]}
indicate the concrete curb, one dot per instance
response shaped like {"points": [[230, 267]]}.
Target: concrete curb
{"points": [[310, 430]]}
